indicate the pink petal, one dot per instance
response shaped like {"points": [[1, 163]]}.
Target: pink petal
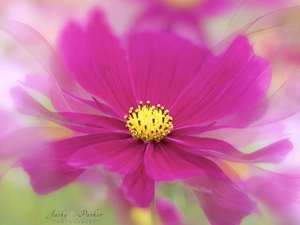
{"points": [[63, 100], [190, 130], [168, 212], [210, 147], [8, 123], [47, 86], [281, 105], [226, 84], [97, 62], [92, 176], [98, 106], [284, 102], [222, 201], [241, 138], [122, 207], [38, 82], [26, 104], [121, 155], [48, 174], [165, 161], [138, 187], [284, 195], [27, 140], [47, 163], [43, 52], [159, 69], [95, 120], [17, 143]]}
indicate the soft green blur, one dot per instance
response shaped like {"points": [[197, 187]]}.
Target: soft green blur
{"points": [[19, 205]]}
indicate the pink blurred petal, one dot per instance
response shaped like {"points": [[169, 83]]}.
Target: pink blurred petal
{"points": [[191, 130], [209, 147], [222, 201], [47, 174], [27, 140], [26, 104], [60, 101], [8, 122], [42, 51], [16, 141], [92, 176], [138, 187], [47, 163], [37, 82], [98, 106], [169, 213], [97, 62], [280, 192], [120, 155], [241, 138], [281, 105], [121, 205]]}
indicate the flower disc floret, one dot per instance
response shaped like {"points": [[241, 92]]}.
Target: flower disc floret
{"points": [[149, 123]]}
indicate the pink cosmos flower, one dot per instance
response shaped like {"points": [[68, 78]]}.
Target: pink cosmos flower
{"points": [[139, 106]]}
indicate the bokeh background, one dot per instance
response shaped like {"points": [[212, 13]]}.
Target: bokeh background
{"points": [[19, 205]]}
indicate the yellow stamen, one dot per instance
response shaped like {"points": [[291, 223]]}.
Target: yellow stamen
{"points": [[149, 123]]}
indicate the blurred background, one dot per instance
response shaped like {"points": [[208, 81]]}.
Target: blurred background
{"points": [[19, 205]]}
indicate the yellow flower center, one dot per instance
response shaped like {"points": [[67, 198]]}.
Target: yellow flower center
{"points": [[182, 4], [149, 123]]}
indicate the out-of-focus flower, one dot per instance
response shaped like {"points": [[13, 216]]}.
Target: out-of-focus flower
{"points": [[187, 11], [190, 18], [174, 95], [198, 8], [186, 18], [284, 48]]}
